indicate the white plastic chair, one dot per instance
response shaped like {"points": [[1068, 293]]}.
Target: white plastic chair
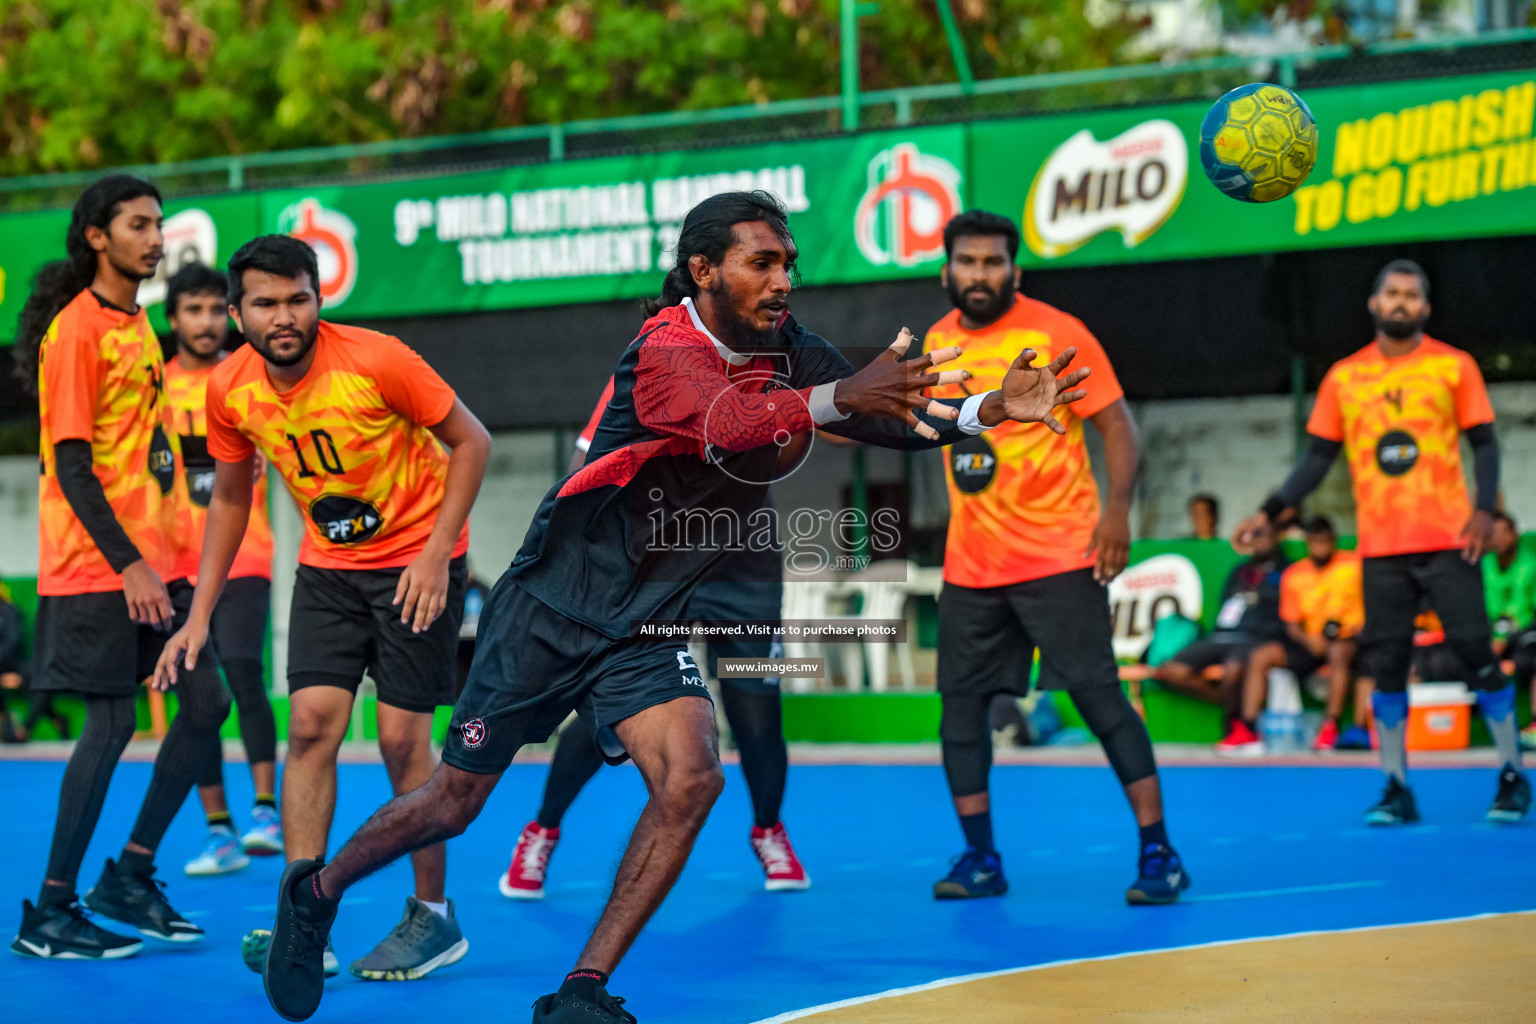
{"points": [[885, 587], [819, 599]]}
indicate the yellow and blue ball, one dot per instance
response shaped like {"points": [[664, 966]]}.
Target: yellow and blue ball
{"points": [[1258, 142]]}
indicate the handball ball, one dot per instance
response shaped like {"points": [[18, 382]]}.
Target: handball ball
{"points": [[1258, 142]]}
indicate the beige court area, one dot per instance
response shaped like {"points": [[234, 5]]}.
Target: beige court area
{"points": [[1479, 971]]}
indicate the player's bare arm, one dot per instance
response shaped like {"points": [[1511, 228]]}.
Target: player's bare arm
{"points": [[422, 593], [1122, 448], [229, 512]]}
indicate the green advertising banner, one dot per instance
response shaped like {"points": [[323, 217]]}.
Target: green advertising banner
{"points": [[1450, 157]]}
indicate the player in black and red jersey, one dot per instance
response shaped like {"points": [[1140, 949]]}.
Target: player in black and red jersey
{"points": [[718, 374]]}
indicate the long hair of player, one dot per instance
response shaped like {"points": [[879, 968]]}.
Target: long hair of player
{"points": [[709, 230]]}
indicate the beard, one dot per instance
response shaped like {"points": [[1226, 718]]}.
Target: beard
{"points": [[131, 273], [1399, 329], [739, 332], [306, 342], [984, 308]]}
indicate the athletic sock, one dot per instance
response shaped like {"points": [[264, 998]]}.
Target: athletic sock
{"points": [[134, 863], [1392, 732], [583, 984], [221, 819], [1155, 834], [267, 800], [1498, 708], [440, 909], [978, 831], [55, 895], [308, 894]]}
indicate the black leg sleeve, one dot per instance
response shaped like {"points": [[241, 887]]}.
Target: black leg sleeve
{"points": [[576, 760], [109, 725], [258, 728], [213, 766], [757, 723], [202, 704], [1120, 731], [966, 742]]}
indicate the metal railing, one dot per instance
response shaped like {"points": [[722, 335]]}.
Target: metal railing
{"points": [[1124, 85]]}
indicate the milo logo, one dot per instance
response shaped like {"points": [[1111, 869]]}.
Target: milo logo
{"points": [[344, 520], [973, 464], [1397, 452]]}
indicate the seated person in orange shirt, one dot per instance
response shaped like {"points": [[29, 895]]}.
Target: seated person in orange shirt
{"points": [[1322, 608]]}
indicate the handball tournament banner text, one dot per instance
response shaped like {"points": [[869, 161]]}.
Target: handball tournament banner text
{"points": [[1440, 158]]}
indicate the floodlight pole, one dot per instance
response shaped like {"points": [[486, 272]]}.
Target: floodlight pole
{"points": [[852, 11]]}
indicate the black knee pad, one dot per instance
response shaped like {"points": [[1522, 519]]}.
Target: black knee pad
{"points": [[967, 743], [963, 718], [1386, 662], [1120, 731]]}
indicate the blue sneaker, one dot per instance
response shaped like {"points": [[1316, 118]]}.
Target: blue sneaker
{"points": [[1162, 877], [265, 839], [221, 854], [1354, 738], [972, 875]]}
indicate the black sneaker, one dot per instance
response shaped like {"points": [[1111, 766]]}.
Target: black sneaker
{"points": [[1396, 806], [294, 971], [61, 931], [1514, 796], [138, 900], [572, 1009]]}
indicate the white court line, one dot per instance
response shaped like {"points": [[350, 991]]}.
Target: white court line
{"points": [[1298, 890], [947, 982]]}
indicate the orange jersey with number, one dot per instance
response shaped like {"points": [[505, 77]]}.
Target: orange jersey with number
{"points": [[1022, 500], [186, 395], [350, 440], [1311, 596], [1401, 421], [99, 379]]}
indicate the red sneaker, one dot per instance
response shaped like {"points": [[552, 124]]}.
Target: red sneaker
{"points": [[1241, 741], [1327, 736], [782, 868], [524, 877]]}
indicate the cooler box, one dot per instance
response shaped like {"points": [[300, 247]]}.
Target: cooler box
{"points": [[1439, 716]]}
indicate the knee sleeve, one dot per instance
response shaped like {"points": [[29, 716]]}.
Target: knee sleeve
{"points": [[203, 700], [967, 743], [258, 728], [1387, 663], [1483, 671], [1121, 732], [213, 767]]}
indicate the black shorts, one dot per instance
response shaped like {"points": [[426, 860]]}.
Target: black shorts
{"points": [[533, 667], [988, 636], [86, 643], [342, 623], [733, 601], [239, 626], [1395, 588]]}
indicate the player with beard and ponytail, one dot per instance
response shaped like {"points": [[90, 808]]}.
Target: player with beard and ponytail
{"points": [[1398, 408], [719, 378], [1028, 558], [107, 575], [197, 307], [357, 425]]}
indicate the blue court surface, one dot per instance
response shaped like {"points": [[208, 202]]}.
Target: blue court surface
{"points": [[1272, 851]]}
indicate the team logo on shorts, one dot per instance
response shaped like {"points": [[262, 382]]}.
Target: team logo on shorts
{"points": [[473, 732], [344, 520], [973, 463], [1396, 452]]}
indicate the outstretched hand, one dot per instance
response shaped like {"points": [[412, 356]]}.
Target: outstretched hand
{"points": [[892, 387], [1029, 393]]}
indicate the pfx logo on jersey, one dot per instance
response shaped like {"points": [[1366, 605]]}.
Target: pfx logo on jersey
{"points": [[344, 520], [1131, 183], [911, 196], [1397, 452], [333, 236], [973, 464], [473, 732]]}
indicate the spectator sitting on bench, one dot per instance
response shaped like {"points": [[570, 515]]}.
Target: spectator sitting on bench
{"points": [[1249, 618], [1323, 609], [1204, 517], [1509, 581]]}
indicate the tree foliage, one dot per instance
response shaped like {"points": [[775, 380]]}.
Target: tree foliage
{"points": [[92, 83]]}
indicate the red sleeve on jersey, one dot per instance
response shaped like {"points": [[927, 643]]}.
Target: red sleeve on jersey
{"points": [[588, 432], [225, 442], [680, 390]]}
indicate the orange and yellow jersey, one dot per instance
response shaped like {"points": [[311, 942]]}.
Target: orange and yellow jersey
{"points": [[1022, 501], [1401, 421], [351, 441], [1312, 596], [185, 394], [100, 375]]}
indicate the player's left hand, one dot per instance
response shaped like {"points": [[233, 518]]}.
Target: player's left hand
{"points": [[422, 592], [1031, 392], [1111, 544], [1476, 536]]}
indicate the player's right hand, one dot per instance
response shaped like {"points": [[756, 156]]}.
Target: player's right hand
{"points": [[892, 387], [149, 603], [182, 648]]}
